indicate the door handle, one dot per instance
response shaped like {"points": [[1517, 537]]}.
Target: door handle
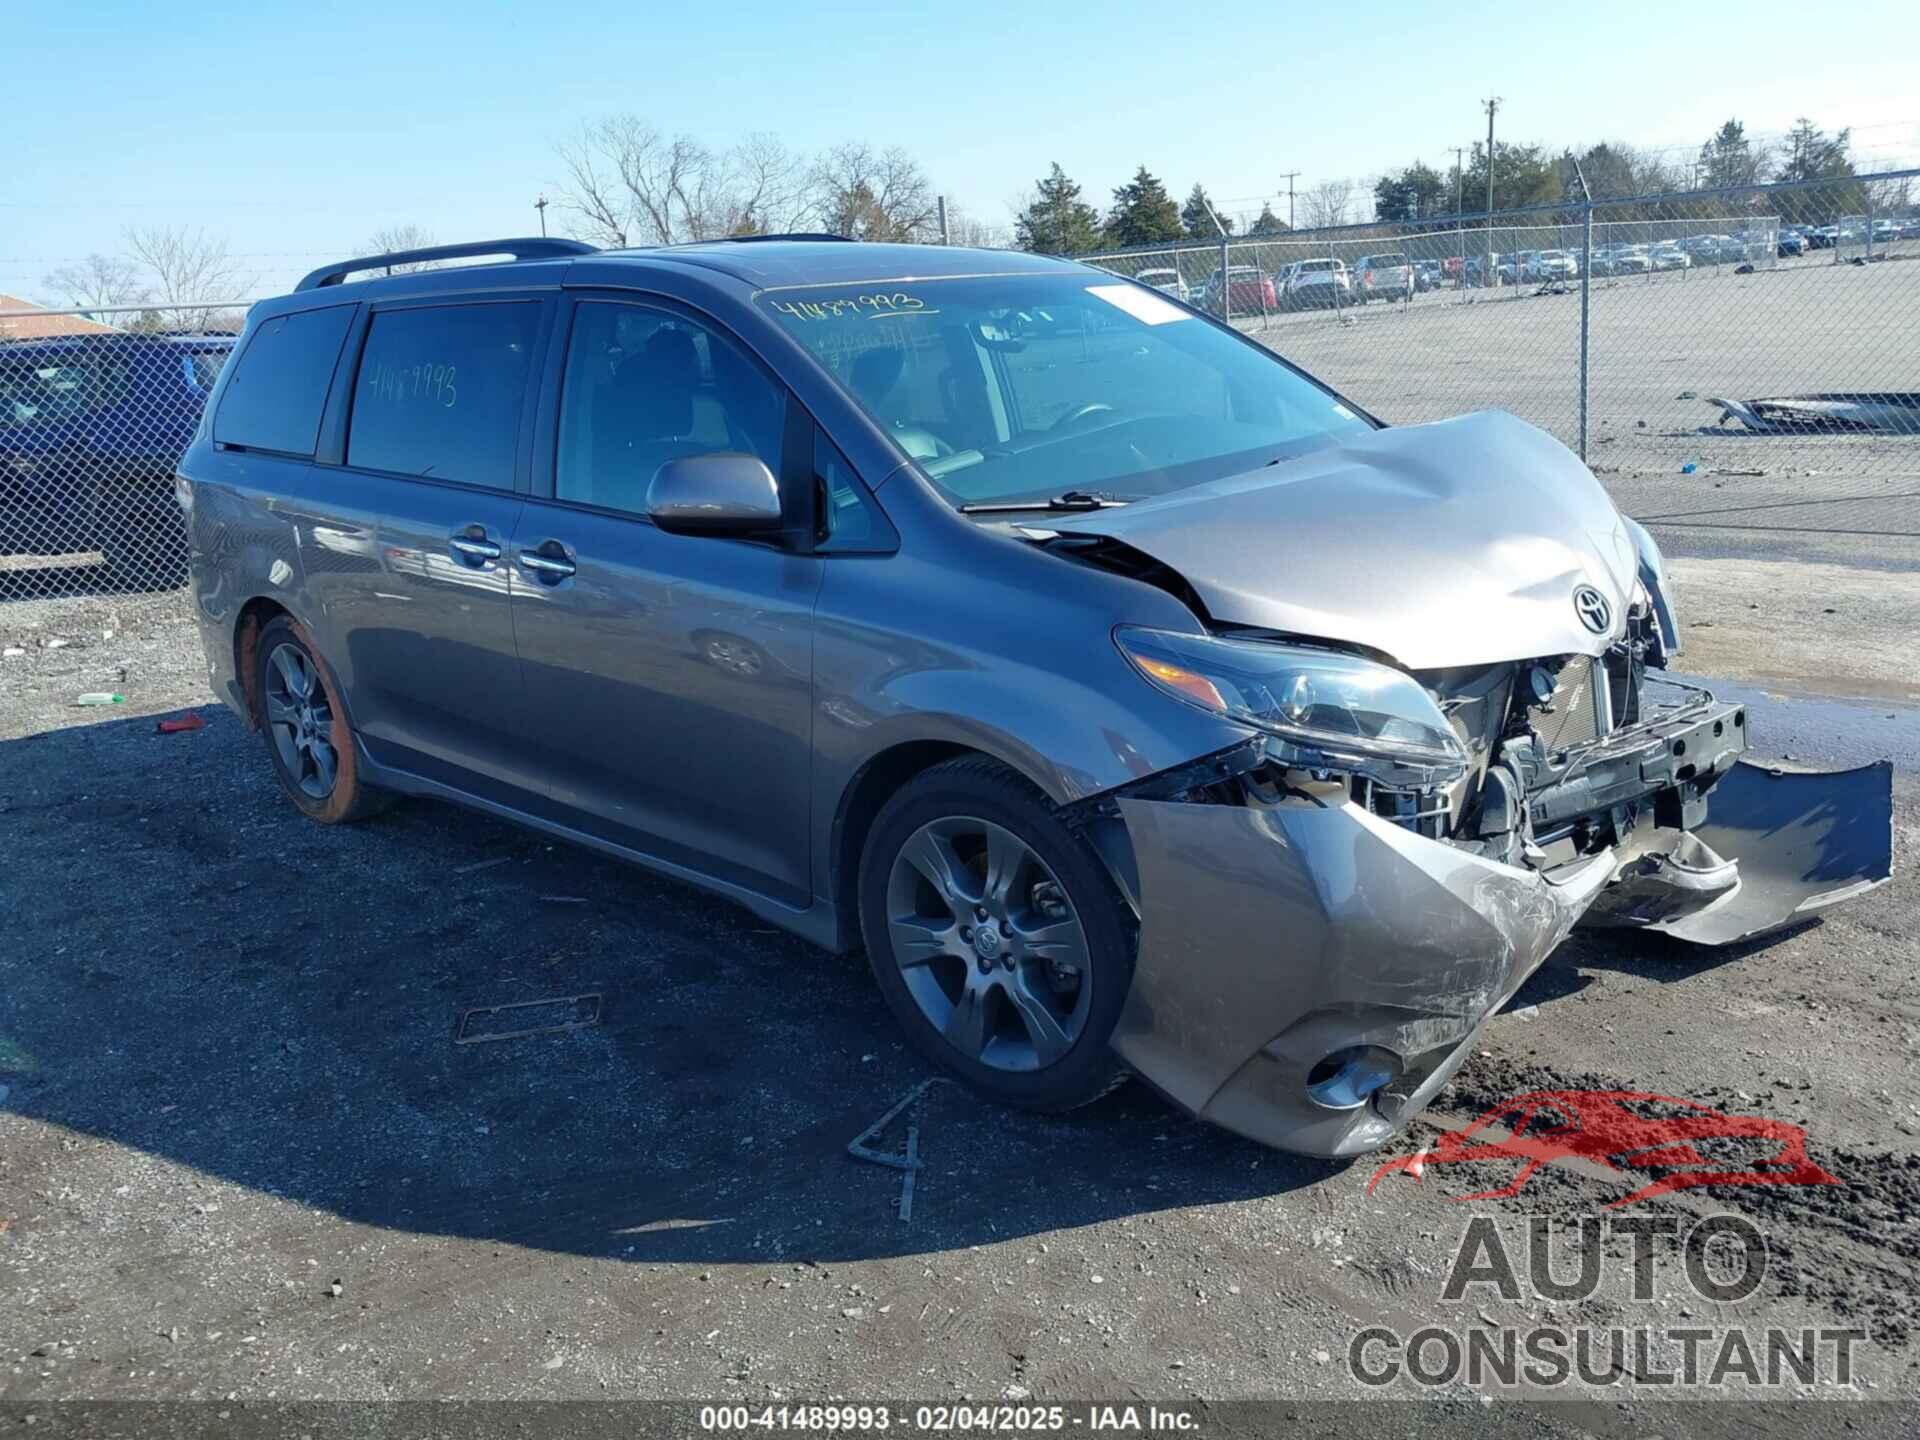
{"points": [[473, 551], [550, 568]]}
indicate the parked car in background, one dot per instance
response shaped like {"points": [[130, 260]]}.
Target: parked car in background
{"points": [[1386, 276], [1167, 282], [1136, 702], [90, 428], [1632, 260], [1428, 275], [1249, 291], [1550, 265], [1669, 256], [1516, 270], [1788, 242], [1823, 237], [1322, 281]]}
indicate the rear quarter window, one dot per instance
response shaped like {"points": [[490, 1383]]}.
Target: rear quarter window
{"points": [[279, 384], [439, 391]]}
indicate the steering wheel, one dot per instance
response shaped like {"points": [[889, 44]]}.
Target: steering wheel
{"points": [[1080, 413]]}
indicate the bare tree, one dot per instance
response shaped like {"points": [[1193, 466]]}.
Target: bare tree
{"points": [[1326, 204], [967, 229], [869, 194], [188, 268], [402, 237], [767, 189], [98, 282], [627, 184]]}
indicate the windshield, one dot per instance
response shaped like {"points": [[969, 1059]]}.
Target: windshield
{"points": [[1021, 387]]}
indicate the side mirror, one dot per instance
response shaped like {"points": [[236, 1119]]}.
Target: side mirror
{"points": [[721, 494]]}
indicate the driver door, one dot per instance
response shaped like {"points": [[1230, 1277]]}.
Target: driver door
{"points": [[668, 679]]}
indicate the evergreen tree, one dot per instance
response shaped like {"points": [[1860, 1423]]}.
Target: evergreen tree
{"points": [[1194, 216], [1729, 159], [1269, 224], [1415, 193], [1057, 221], [1143, 213]]}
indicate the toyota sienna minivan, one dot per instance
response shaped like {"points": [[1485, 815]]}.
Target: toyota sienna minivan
{"points": [[1137, 703]]}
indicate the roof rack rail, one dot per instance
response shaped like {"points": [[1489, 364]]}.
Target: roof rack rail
{"points": [[789, 235], [536, 247]]}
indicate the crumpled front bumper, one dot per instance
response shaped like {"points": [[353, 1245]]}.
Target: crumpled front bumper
{"points": [[1272, 937]]}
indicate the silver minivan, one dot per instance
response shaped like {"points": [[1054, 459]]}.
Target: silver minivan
{"points": [[1135, 701]]}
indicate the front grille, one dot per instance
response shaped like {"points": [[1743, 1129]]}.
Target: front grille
{"points": [[1577, 710]]}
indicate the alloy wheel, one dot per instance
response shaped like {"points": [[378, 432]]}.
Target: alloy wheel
{"points": [[301, 720], [988, 944]]}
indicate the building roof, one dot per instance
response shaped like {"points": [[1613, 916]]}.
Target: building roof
{"points": [[43, 323]]}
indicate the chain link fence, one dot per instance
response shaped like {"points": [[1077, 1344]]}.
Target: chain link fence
{"points": [[95, 409], [1768, 334], [1765, 337]]}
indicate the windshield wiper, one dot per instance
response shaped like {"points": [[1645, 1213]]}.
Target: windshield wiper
{"points": [[1067, 500]]}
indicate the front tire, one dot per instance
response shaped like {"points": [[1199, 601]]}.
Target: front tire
{"points": [[996, 936], [309, 738]]}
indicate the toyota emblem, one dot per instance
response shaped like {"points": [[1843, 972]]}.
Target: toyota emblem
{"points": [[1593, 609]]}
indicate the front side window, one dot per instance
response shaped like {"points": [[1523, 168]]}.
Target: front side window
{"points": [[1020, 387], [645, 386], [440, 389]]}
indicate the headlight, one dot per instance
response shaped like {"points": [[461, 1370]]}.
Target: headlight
{"points": [[1335, 711], [1653, 580]]}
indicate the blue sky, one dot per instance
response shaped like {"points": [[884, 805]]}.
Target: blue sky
{"points": [[295, 131]]}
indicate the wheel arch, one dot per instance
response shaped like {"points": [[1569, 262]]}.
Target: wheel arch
{"points": [[253, 617], [865, 793]]}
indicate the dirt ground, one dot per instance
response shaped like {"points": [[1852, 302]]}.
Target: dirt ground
{"points": [[244, 1153]]}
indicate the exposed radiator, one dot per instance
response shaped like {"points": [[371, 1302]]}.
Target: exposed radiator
{"points": [[1578, 710]]}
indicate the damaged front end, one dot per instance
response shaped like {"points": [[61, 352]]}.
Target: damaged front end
{"points": [[1331, 911]]}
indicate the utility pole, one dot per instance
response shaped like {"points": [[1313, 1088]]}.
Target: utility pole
{"points": [[1489, 276], [944, 240], [1290, 177], [541, 206]]}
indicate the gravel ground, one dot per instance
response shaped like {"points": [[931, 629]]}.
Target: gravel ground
{"points": [[242, 1154]]}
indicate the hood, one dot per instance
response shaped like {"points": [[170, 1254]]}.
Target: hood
{"points": [[1456, 543]]}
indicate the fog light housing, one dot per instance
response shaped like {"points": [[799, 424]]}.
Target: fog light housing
{"points": [[1347, 1079]]}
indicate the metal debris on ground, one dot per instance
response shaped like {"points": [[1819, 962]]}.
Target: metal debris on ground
{"points": [[192, 720], [528, 1017], [909, 1162], [1882, 412]]}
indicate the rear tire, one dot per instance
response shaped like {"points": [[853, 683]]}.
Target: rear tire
{"points": [[309, 738], [996, 936]]}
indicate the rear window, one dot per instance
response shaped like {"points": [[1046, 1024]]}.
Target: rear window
{"points": [[280, 382], [440, 389], [1382, 262]]}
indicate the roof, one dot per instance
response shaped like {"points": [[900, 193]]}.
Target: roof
{"points": [[838, 262], [43, 322]]}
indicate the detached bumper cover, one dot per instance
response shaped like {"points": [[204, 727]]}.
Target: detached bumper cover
{"points": [[1273, 937], [1796, 843]]}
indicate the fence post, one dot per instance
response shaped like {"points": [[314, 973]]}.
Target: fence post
{"points": [[1226, 280], [1586, 319]]}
